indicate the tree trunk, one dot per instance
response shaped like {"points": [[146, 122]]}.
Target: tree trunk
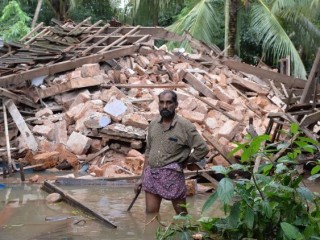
{"points": [[232, 27], [226, 24], [36, 14]]}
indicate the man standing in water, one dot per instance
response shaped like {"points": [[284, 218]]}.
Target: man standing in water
{"points": [[172, 143]]}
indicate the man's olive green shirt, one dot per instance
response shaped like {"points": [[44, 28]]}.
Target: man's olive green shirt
{"points": [[174, 144]]}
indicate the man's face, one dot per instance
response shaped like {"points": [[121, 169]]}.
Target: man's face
{"points": [[167, 106]]}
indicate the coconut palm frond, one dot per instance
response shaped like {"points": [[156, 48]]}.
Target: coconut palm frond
{"points": [[309, 32], [315, 4], [293, 8], [274, 38], [201, 22], [280, 6]]}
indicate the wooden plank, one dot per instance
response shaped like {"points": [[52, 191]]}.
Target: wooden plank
{"points": [[93, 156], [219, 148], [51, 188], [310, 119], [250, 85], [31, 32], [290, 82], [20, 98], [66, 65], [173, 85], [22, 126], [198, 85], [217, 108], [7, 136], [104, 39], [120, 39], [307, 91]]}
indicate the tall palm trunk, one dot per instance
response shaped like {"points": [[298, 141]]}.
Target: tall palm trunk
{"points": [[36, 14], [147, 13], [232, 27], [226, 24]]}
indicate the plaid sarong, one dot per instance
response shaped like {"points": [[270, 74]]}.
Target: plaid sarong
{"points": [[168, 182]]}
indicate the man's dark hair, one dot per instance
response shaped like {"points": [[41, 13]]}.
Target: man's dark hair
{"points": [[173, 94]]}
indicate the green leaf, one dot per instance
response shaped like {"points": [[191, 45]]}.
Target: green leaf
{"points": [[284, 159], [315, 170], [236, 149], [210, 201], [314, 177], [283, 145], [267, 168], [225, 190], [184, 235], [239, 167], [207, 222], [309, 140], [280, 168], [309, 148], [294, 127], [248, 218], [233, 218], [220, 169], [266, 208], [290, 231], [305, 193], [308, 231]]}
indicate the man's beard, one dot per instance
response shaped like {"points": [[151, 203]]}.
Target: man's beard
{"points": [[166, 113]]}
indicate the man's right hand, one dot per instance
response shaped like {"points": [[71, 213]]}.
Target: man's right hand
{"points": [[138, 186]]}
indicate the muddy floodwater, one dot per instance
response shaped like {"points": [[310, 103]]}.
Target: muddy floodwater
{"points": [[24, 213]]}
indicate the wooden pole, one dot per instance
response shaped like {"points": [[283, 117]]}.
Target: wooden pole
{"points": [[22, 173], [49, 187], [310, 84], [7, 137]]}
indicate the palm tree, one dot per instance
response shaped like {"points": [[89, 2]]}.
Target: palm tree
{"points": [[60, 8], [147, 12], [284, 27]]}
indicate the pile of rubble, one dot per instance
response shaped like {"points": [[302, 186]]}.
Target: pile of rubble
{"points": [[94, 118]]}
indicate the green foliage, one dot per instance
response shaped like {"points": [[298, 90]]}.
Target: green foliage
{"points": [[203, 22], [181, 228], [97, 10], [273, 204], [13, 22]]}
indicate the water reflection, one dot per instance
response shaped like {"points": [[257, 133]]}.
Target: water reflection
{"points": [[23, 213]]}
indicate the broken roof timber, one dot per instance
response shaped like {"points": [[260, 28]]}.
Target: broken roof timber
{"points": [[290, 82], [66, 65]]}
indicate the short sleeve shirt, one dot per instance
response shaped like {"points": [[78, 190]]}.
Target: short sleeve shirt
{"points": [[174, 144]]}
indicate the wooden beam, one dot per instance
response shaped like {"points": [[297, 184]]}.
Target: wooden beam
{"points": [[32, 31], [51, 188], [66, 65], [93, 156], [250, 85], [198, 85], [290, 82], [308, 89], [22, 126], [20, 98], [219, 148], [178, 85], [7, 136], [134, 30], [310, 119]]}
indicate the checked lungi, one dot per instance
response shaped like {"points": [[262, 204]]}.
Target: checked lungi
{"points": [[168, 182]]}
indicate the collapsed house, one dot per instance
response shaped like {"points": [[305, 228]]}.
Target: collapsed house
{"points": [[82, 95]]}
